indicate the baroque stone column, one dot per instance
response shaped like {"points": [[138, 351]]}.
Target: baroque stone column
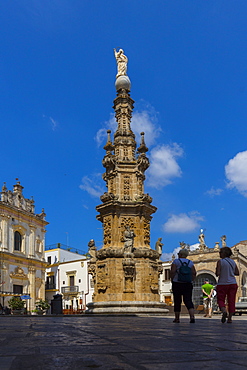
{"points": [[126, 269]]}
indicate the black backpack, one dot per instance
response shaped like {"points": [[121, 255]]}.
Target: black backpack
{"points": [[184, 272]]}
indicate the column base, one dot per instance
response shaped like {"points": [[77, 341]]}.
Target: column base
{"points": [[127, 307]]}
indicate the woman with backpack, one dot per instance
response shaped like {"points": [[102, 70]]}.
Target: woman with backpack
{"points": [[183, 273], [227, 286]]}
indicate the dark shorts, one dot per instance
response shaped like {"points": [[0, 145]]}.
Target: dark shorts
{"points": [[182, 290]]}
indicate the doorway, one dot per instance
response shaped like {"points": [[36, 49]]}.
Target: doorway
{"points": [[197, 290]]}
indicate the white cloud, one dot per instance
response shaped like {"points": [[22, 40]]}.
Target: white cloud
{"points": [[236, 173], [101, 134], [142, 121], [214, 192], [183, 223], [163, 165], [54, 123], [145, 121], [91, 186]]}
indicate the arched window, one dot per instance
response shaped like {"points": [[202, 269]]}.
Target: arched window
{"points": [[17, 242]]}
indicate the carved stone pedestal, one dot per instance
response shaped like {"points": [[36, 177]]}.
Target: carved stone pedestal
{"points": [[127, 308]]}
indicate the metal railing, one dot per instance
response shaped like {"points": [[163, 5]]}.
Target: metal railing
{"points": [[50, 286], [64, 247], [70, 289]]}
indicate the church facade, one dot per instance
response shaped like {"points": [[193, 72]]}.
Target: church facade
{"points": [[22, 241], [205, 260]]}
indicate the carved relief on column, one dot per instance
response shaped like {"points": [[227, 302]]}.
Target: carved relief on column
{"points": [[102, 277], [107, 230], [111, 188], [92, 270], [146, 228], [129, 275], [154, 281], [140, 186], [126, 188], [126, 222]]}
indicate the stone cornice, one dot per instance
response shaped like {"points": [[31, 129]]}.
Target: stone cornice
{"points": [[11, 258], [22, 215], [120, 253]]}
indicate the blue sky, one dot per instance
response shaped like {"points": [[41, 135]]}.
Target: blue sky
{"points": [[187, 65]]}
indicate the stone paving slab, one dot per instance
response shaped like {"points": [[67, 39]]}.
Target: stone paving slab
{"points": [[121, 343]]}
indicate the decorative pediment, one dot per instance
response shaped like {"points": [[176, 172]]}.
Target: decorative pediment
{"points": [[18, 273]]}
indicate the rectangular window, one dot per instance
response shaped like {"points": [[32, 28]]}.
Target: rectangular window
{"points": [[71, 280], [167, 274], [49, 260], [17, 289]]}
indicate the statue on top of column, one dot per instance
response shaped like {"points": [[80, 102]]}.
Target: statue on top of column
{"points": [[122, 61], [202, 245], [223, 241]]}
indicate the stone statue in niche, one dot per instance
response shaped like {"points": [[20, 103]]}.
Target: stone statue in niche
{"points": [[129, 236], [122, 61]]}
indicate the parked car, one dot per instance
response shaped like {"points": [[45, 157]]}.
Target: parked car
{"points": [[241, 306]]}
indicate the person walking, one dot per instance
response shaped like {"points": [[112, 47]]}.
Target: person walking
{"points": [[226, 269], [207, 290], [183, 273]]}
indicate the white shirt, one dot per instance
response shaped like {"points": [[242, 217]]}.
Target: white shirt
{"points": [[227, 272]]}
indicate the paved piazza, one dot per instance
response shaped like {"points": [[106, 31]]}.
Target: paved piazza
{"points": [[132, 342]]}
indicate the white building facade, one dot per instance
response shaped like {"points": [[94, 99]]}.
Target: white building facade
{"points": [[165, 285], [67, 274]]}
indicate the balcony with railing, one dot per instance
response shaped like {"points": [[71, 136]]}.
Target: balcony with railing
{"points": [[70, 289], [50, 286]]}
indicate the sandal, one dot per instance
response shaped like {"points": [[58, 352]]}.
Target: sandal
{"points": [[224, 317], [176, 320]]}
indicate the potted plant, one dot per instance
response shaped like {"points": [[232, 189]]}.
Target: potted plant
{"points": [[17, 305], [41, 307]]}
